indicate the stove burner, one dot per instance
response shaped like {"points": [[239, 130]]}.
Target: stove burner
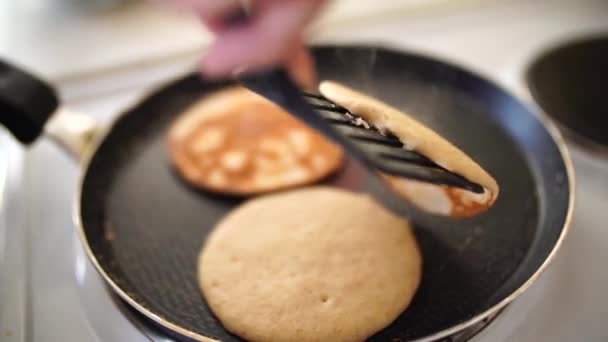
{"points": [[157, 333], [569, 83]]}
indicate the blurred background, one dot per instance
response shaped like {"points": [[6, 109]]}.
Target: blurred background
{"points": [[103, 55], [69, 40]]}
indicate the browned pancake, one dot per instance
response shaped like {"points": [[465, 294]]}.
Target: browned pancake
{"points": [[235, 142]]}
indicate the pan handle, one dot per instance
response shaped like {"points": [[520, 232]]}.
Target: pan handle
{"points": [[29, 107], [26, 103], [74, 132]]}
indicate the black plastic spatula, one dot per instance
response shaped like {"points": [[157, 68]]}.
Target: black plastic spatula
{"points": [[374, 150]]}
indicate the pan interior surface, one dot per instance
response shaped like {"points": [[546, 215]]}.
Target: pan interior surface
{"points": [[145, 226]]}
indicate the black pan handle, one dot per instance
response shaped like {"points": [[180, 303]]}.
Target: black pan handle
{"points": [[26, 102]]}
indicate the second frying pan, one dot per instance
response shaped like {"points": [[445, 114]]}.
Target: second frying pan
{"points": [[143, 228]]}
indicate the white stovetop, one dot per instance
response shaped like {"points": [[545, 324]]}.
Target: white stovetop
{"points": [[54, 295]]}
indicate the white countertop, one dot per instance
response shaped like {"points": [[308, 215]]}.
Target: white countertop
{"points": [[58, 41]]}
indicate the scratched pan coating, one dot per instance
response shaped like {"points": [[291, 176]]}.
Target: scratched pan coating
{"points": [[144, 227]]}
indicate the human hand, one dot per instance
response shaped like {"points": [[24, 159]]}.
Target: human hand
{"points": [[271, 36]]}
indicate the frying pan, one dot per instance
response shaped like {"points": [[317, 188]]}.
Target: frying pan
{"points": [[142, 227]]}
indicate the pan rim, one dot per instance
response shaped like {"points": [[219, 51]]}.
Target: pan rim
{"points": [[548, 124]]}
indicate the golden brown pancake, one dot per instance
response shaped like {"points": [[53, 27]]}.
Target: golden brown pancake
{"points": [[415, 136], [236, 142], [313, 264]]}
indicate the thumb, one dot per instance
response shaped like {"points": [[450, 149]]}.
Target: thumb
{"points": [[300, 66]]}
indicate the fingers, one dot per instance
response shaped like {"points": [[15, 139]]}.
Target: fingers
{"points": [[301, 66], [268, 39], [210, 9]]}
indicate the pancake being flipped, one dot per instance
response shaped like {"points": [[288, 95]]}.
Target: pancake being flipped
{"points": [[313, 264], [236, 142], [415, 136]]}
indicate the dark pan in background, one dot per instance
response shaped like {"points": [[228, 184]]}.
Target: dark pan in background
{"points": [[569, 82]]}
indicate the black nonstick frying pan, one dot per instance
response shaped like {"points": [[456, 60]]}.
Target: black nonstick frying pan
{"points": [[143, 227]]}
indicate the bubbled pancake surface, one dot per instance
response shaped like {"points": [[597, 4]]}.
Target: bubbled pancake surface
{"points": [[312, 264]]}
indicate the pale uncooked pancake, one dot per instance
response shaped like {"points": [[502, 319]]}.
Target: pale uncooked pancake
{"points": [[236, 142], [313, 264], [415, 136]]}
